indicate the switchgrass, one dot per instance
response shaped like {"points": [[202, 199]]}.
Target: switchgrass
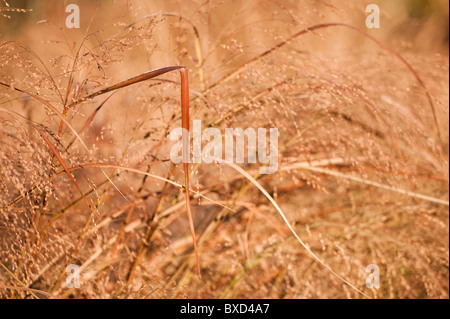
{"points": [[86, 177]]}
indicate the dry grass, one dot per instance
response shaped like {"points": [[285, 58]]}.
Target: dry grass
{"points": [[86, 177]]}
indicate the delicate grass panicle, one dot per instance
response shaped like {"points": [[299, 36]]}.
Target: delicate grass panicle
{"points": [[86, 176]]}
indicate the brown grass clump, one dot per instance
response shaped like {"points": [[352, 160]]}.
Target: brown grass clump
{"points": [[86, 176]]}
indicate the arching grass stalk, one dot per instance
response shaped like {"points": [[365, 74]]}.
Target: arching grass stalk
{"points": [[331, 25]]}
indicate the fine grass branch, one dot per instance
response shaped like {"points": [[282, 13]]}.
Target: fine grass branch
{"points": [[343, 25], [283, 216], [197, 41], [185, 122]]}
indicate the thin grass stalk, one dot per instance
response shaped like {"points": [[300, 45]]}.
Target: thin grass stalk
{"points": [[306, 166], [365, 34]]}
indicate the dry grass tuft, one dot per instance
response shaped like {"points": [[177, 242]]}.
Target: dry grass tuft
{"points": [[86, 176]]}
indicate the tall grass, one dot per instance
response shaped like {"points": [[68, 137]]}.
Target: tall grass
{"points": [[86, 176]]}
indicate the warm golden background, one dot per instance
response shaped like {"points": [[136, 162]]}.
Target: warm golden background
{"points": [[342, 103]]}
